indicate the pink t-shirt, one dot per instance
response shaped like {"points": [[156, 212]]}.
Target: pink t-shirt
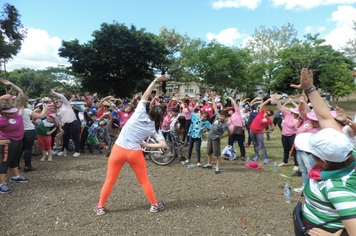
{"points": [[186, 114], [209, 109], [124, 117], [289, 124], [12, 128], [306, 127], [235, 120], [167, 120]]}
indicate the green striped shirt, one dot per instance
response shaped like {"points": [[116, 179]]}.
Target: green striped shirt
{"points": [[331, 198]]}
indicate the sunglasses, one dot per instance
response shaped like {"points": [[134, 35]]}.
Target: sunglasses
{"points": [[56, 102], [106, 106], [269, 114]]}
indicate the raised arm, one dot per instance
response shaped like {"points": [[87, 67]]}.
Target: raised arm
{"points": [[148, 91], [92, 98], [61, 96], [20, 92], [322, 111], [233, 103], [351, 130], [264, 104], [279, 105], [6, 98], [214, 104], [101, 104]]}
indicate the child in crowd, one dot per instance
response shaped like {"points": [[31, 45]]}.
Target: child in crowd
{"points": [[178, 127], [96, 128], [199, 126], [90, 118], [125, 115], [218, 128], [167, 120], [44, 130]]}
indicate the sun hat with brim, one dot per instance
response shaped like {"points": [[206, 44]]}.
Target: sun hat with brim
{"points": [[13, 97], [295, 110], [328, 144], [39, 104], [310, 105], [230, 108], [312, 116], [53, 115], [11, 110], [253, 165]]}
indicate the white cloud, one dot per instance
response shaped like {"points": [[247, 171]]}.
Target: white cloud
{"points": [[251, 4], [38, 51], [309, 4], [308, 29], [227, 36], [344, 17], [320, 29], [246, 41]]}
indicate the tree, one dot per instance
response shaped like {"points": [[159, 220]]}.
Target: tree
{"points": [[120, 60], [350, 48], [217, 66], [338, 80], [11, 32]]}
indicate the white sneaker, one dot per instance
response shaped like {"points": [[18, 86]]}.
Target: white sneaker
{"points": [[77, 154], [50, 158], [299, 190], [43, 158], [60, 154], [198, 164], [46, 153], [187, 161]]}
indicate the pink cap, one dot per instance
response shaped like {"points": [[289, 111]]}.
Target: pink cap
{"points": [[295, 110], [312, 116]]}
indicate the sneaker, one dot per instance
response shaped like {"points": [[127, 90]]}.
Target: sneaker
{"points": [[4, 189], [187, 161], [46, 153], [265, 161], [247, 146], [158, 206], [217, 170], [99, 210], [28, 169], [99, 152], [60, 154], [50, 158], [19, 179], [295, 168], [43, 158], [256, 159], [299, 190], [243, 158], [92, 152], [282, 164], [207, 166], [198, 164], [268, 138], [298, 174], [76, 154]]}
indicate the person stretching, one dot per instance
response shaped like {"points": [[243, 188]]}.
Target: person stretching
{"points": [[127, 148]]}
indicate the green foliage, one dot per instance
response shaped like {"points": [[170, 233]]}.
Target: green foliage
{"points": [[350, 48], [338, 80], [216, 65], [120, 60], [11, 32]]}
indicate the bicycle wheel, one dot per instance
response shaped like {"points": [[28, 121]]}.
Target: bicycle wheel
{"points": [[36, 149], [111, 145], [165, 158]]}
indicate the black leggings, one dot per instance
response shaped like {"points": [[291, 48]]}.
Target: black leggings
{"points": [[74, 130], [10, 155], [187, 125], [240, 139], [278, 121], [28, 140]]}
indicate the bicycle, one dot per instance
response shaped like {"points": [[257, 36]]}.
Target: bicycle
{"points": [[159, 156]]}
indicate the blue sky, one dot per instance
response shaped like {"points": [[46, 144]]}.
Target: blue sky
{"points": [[230, 22]]}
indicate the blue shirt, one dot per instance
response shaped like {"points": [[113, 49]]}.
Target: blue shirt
{"points": [[95, 128], [197, 126], [253, 115]]}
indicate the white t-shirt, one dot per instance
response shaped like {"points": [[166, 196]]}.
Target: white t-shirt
{"points": [[27, 122], [137, 129]]}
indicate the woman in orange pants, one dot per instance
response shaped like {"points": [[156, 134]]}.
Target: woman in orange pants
{"points": [[143, 123]]}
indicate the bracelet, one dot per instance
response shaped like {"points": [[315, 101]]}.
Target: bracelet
{"points": [[309, 90]]}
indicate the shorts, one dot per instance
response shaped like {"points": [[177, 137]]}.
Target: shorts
{"points": [[115, 124], [213, 147]]}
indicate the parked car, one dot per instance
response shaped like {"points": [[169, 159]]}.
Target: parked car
{"points": [[282, 96], [80, 106]]}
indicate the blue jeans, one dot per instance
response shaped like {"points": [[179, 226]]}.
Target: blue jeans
{"points": [[197, 146], [305, 162]]}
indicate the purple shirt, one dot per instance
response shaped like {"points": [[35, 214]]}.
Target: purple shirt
{"points": [[12, 128]]}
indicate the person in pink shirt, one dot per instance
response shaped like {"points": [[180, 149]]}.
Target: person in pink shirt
{"points": [[125, 115], [209, 109], [235, 119], [171, 114], [188, 119], [291, 120]]}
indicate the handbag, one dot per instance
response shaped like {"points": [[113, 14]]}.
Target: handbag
{"points": [[299, 228], [237, 130]]}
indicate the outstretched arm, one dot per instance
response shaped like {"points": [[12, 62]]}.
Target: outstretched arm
{"points": [[264, 104], [351, 130], [148, 91], [20, 92], [214, 104], [322, 111]]}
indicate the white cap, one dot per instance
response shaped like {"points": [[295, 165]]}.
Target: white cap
{"points": [[328, 144]]}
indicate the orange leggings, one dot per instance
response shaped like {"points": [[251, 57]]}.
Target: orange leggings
{"points": [[117, 159]]}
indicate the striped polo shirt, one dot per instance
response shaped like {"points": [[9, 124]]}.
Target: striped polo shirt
{"points": [[332, 197]]}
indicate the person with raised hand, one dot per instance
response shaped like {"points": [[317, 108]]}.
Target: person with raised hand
{"points": [[143, 123], [330, 190]]}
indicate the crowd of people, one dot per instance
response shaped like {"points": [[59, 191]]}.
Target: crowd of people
{"points": [[320, 140]]}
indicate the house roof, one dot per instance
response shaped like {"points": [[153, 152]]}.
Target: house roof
{"points": [[353, 73]]}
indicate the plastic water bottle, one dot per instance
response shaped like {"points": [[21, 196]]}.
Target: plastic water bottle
{"points": [[165, 159], [64, 152], [191, 166], [183, 163], [275, 167], [285, 188], [248, 161], [288, 196]]}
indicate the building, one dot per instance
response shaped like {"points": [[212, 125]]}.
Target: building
{"points": [[180, 88]]}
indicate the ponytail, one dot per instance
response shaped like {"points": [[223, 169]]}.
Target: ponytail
{"points": [[156, 114]]}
